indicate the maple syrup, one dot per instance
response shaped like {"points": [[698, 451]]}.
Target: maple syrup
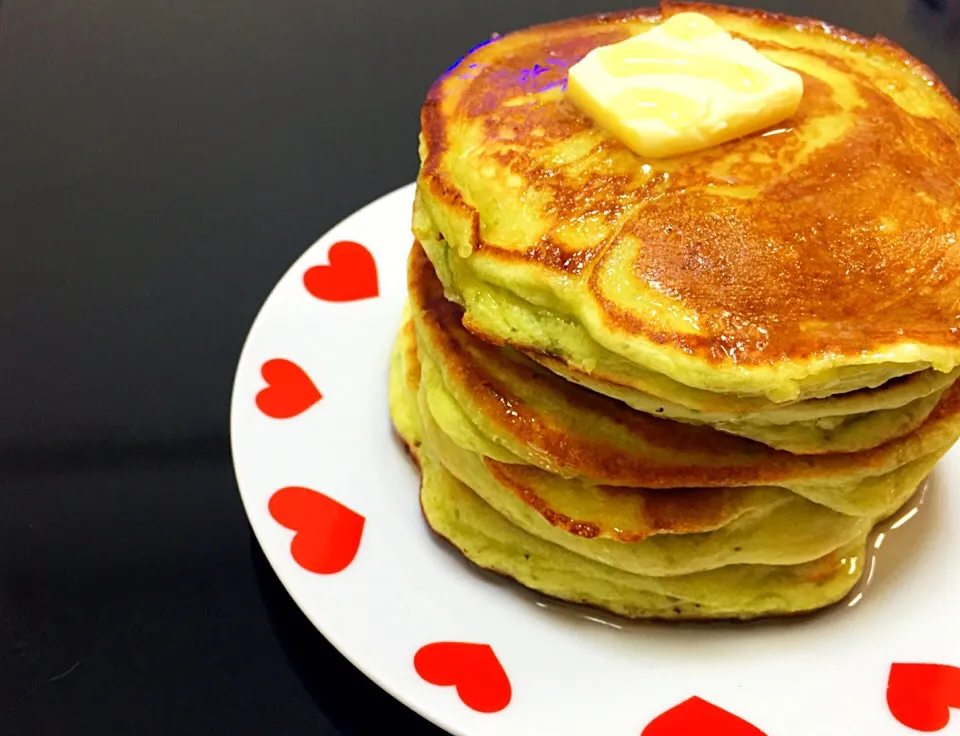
{"points": [[890, 543]]}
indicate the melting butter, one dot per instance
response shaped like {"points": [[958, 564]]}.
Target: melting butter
{"points": [[643, 57], [690, 26], [657, 104], [683, 86]]}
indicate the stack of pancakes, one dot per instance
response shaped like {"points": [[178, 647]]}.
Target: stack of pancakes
{"points": [[691, 387]]}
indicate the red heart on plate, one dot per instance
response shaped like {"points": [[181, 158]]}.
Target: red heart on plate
{"points": [[920, 696], [327, 532], [289, 390], [351, 275], [473, 669], [697, 717]]}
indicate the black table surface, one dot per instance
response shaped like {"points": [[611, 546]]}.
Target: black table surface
{"points": [[161, 164]]}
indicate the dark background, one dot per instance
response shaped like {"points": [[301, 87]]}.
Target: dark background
{"points": [[162, 162]]}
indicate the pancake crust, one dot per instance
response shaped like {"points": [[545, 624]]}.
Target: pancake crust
{"points": [[816, 257]]}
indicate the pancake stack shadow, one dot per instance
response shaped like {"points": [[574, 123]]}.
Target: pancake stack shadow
{"points": [[687, 388]]}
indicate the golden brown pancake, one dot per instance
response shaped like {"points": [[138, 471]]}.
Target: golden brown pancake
{"points": [[687, 387], [815, 258]]}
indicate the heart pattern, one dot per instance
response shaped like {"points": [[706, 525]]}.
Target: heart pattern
{"points": [[698, 717], [920, 696], [327, 538], [350, 276], [473, 669], [328, 533], [289, 390]]}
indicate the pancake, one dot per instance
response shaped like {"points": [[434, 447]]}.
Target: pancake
{"points": [[652, 532], [490, 540], [847, 422], [499, 404], [814, 260]]}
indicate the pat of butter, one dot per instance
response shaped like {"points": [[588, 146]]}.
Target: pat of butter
{"points": [[683, 86]]}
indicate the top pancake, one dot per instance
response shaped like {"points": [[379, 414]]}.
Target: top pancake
{"points": [[815, 258]]}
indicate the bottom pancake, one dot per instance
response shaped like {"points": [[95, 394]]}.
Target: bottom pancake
{"points": [[491, 541]]}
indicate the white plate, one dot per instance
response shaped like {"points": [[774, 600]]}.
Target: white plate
{"points": [[542, 668]]}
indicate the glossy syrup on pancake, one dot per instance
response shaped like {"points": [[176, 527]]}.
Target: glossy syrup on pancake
{"points": [[772, 265], [897, 542]]}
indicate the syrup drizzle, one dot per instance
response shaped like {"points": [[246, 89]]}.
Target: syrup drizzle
{"points": [[892, 541]]}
